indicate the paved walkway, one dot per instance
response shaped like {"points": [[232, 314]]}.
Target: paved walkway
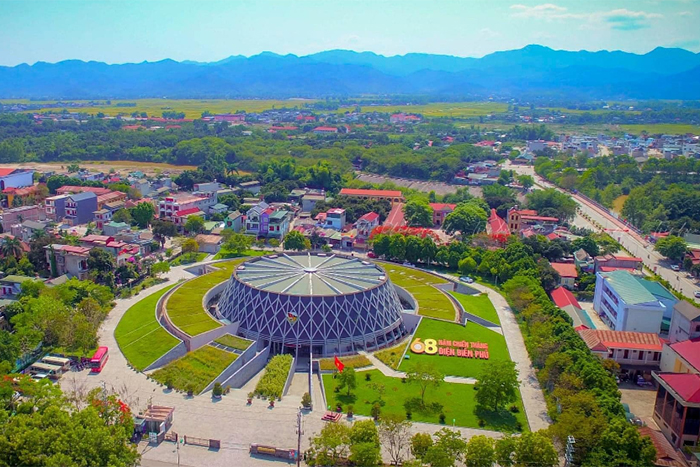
{"points": [[390, 372]]}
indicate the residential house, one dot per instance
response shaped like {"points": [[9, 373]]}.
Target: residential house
{"points": [[28, 229], [309, 200], [440, 211], [278, 224], [111, 197], [253, 186], [565, 300], [364, 227], [666, 454], [16, 178], [567, 274], [335, 219], [170, 206], [230, 118], [102, 217], [72, 189], [685, 323], [395, 196], [523, 219], [681, 356], [583, 260], [535, 145], [209, 243], [638, 353], [80, 207], [18, 215], [404, 118], [677, 408], [55, 207], [120, 250], [496, 227], [325, 130], [625, 304], [218, 208], [234, 221], [179, 218], [11, 286], [26, 195], [207, 187], [612, 262], [113, 228], [257, 219], [67, 259]]}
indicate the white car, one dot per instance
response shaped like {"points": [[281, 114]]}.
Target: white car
{"points": [[697, 294], [675, 267]]}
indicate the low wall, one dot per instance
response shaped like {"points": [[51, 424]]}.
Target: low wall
{"points": [[176, 352], [290, 376], [323, 389], [211, 293], [411, 321], [163, 318], [200, 340], [247, 371], [407, 297], [465, 289], [229, 371]]}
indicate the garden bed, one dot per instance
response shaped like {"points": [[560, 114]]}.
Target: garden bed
{"points": [[391, 357], [275, 377], [196, 369], [233, 342], [355, 361]]}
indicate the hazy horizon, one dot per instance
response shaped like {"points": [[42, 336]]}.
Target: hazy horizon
{"points": [[132, 32]]}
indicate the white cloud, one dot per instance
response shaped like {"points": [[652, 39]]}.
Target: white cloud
{"points": [[488, 32], [685, 13], [620, 19]]}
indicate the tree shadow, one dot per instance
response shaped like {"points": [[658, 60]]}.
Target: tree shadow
{"points": [[502, 420]]}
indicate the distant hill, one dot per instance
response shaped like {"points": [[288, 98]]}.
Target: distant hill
{"points": [[530, 72]]}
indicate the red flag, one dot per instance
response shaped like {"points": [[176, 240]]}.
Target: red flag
{"points": [[338, 364]]}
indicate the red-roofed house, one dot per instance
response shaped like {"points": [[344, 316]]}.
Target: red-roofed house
{"points": [[497, 227], [522, 219], [394, 196], [366, 224], [682, 357], [440, 211], [666, 455], [636, 352], [567, 274], [325, 130], [677, 407], [70, 189], [180, 217], [612, 262]]}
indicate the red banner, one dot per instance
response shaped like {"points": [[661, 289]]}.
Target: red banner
{"points": [[339, 365]]}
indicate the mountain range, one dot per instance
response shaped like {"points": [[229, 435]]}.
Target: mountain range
{"points": [[531, 72]]}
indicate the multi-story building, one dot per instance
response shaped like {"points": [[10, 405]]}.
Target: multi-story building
{"points": [[67, 259], [363, 228], [171, 205], [55, 207], [102, 216], [234, 221], [395, 196], [685, 323], [18, 215], [279, 224], [625, 304], [638, 353], [11, 286], [180, 217], [440, 211], [677, 407], [309, 200], [80, 207], [72, 189], [335, 219], [108, 198], [16, 178], [522, 219], [257, 218], [612, 262], [681, 357]]}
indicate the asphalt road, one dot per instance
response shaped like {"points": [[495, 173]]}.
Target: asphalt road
{"points": [[629, 239]]}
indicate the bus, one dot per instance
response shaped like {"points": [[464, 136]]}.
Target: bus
{"points": [[52, 371], [63, 362], [99, 360]]}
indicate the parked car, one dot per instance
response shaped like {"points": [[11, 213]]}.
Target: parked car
{"points": [[697, 294], [675, 267], [466, 279], [371, 254]]}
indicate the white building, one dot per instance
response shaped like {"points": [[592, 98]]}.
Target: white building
{"points": [[171, 205], [624, 303], [685, 323], [536, 145]]}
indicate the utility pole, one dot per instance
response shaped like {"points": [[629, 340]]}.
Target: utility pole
{"points": [[300, 431], [569, 453]]}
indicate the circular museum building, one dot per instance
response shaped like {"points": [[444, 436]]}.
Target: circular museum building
{"points": [[313, 302]]}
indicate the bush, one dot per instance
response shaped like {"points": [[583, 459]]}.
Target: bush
{"points": [[218, 390], [350, 411], [442, 418], [276, 372], [409, 414], [482, 423], [357, 361], [368, 377], [391, 357], [376, 410], [306, 400], [514, 409]]}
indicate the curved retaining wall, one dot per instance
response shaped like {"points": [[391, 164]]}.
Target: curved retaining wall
{"points": [[247, 371], [407, 297]]}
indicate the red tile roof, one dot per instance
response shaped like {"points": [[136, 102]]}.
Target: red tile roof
{"points": [[6, 171], [602, 340], [497, 226], [563, 297], [360, 192], [565, 269], [666, 454], [689, 350], [82, 189], [370, 217], [686, 385], [326, 128], [187, 212], [395, 217], [443, 206]]}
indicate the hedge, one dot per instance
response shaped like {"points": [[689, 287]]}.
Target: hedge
{"points": [[272, 382]]}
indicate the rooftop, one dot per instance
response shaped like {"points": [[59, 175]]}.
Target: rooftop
{"points": [[565, 269], [562, 297], [689, 350], [310, 274], [442, 206], [628, 287], [686, 309], [361, 192], [686, 385], [602, 340]]}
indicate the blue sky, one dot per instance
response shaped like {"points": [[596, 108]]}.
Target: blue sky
{"points": [[118, 31]]}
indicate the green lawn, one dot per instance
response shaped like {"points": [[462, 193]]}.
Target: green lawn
{"points": [[225, 254], [234, 342], [356, 361], [185, 304], [141, 338], [431, 301], [661, 128], [391, 357], [188, 258], [457, 366], [457, 402], [479, 305], [199, 367]]}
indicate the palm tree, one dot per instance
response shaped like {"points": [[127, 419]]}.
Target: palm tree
{"points": [[39, 234], [11, 246]]}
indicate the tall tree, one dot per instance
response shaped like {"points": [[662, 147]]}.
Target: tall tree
{"points": [[295, 240], [418, 214], [424, 375], [468, 218], [143, 214], [480, 452], [395, 434], [672, 247], [497, 385]]}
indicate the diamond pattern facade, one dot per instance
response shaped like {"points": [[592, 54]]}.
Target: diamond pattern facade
{"points": [[336, 323]]}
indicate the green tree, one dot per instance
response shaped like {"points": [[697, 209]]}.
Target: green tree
{"points": [[468, 218], [163, 229], [672, 247], [161, 267], [418, 214], [11, 246], [527, 181], [295, 240], [480, 452], [101, 266], [237, 243], [395, 435], [424, 375], [497, 385], [364, 444], [420, 443], [551, 201], [588, 244], [142, 214], [534, 448], [123, 215], [449, 447], [329, 446], [622, 444], [347, 379], [190, 245], [194, 224], [505, 450], [381, 244]]}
